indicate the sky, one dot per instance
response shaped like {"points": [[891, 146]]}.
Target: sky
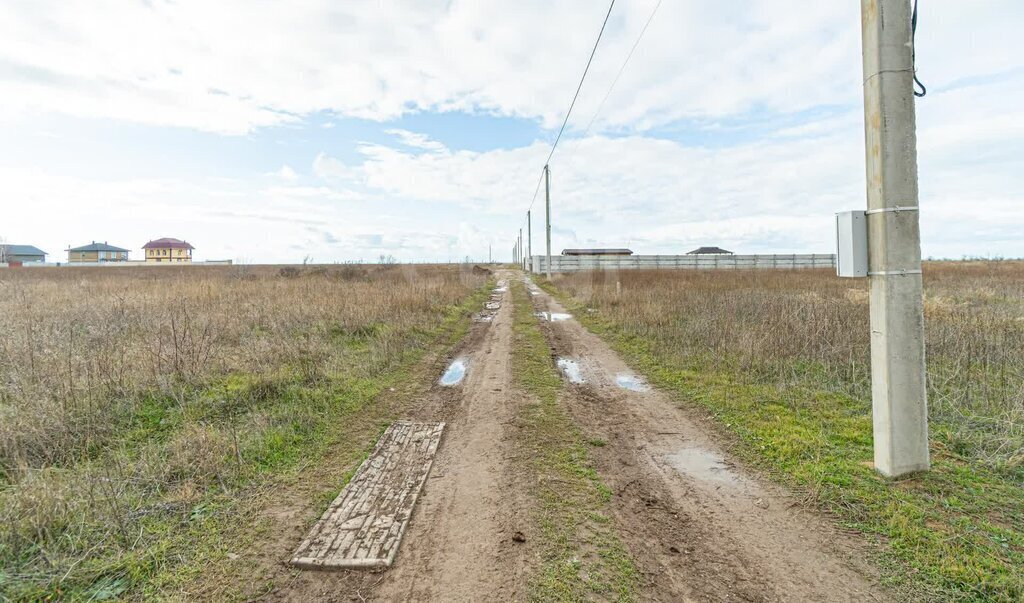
{"points": [[277, 132]]}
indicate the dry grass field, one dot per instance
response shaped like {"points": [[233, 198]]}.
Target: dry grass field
{"points": [[781, 359], [139, 406]]}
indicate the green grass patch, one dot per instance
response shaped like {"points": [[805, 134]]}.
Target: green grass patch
{"points": [[581, 556], [953, 533]]}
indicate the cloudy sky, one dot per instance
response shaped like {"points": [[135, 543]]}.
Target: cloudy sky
{"points": [[269, 132]]}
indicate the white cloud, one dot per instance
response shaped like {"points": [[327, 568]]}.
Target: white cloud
{"points": [[776, 194], [415, 140], [286, 173], [233, 66]]}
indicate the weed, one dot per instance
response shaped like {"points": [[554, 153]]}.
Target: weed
{"points": [[582, 558]]}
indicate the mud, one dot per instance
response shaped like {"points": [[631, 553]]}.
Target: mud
{"points": [[460, 544], [700, 526]]}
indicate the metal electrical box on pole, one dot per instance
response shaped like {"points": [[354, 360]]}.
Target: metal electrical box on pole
{"points": [[851, 244], [898, 384]]}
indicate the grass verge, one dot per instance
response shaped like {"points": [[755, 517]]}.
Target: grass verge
{"points": [[183, 485], [955, 533], [581, 556]]}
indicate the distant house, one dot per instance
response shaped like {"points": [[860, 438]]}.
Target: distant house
{"points": [[709, 251], [97, 252], [21, 254], [168, 250], [597, 252]]}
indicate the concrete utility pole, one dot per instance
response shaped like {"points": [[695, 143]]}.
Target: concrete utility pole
{"points": [[900, 408], [529, 241], [520, 247], [547, 215]]}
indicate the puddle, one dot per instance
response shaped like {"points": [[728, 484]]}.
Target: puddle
{"points": [[571, 369], [704, 465], [483, 317], [632, 383], [500, 289], [492, 305], [455, 373], [554, 316]]}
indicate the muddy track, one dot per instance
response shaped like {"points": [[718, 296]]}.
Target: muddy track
{"points": [[458, 546], [700, 527]]}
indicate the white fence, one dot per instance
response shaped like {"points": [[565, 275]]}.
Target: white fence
{"points": [[574, 263]]}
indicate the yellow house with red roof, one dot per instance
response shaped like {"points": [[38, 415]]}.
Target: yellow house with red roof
{"points": [[168, 250]]}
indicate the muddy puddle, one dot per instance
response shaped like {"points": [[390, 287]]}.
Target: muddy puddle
{"points": [[492, 305], [553, 316], [455, 374], [704, 465], [571, 369], [632, 383]]}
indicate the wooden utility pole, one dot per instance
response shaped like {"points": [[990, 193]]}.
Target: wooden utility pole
{"points": [[898, 385], [547, 216]]}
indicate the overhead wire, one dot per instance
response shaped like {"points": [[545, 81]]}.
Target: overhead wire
{"points": [[579, 87], [615, 81]]}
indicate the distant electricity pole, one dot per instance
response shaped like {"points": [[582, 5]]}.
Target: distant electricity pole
{"points": [[520, 247], [529, 241], [900, 409], [547, 215]]}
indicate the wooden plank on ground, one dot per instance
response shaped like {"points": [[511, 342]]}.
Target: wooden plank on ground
{"points": [[364, 525]]}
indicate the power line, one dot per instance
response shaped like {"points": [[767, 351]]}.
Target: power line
{"points": [[616, 80], [578, 88], [593, 51]]}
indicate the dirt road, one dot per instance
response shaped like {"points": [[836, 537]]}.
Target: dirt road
{"points": [[458, 546], [699, 527]]}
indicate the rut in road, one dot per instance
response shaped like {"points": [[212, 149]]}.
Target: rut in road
{"points": [[459, 544], [700, 527]]}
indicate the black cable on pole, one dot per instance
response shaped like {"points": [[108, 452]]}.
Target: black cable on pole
{"points": [[913, 52]]}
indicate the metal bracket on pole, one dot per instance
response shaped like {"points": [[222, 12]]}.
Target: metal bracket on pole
{"points": [[895, 209], [893, 272]]}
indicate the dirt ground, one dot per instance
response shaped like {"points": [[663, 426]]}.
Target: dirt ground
{"points": [[459, 544], [700, 527]]}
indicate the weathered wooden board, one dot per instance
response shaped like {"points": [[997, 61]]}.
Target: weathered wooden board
{"points": [[364, 525]]}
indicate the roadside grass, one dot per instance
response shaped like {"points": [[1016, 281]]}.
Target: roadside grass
{"points": [[151, 506], [581, 556], [954, 533]]}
